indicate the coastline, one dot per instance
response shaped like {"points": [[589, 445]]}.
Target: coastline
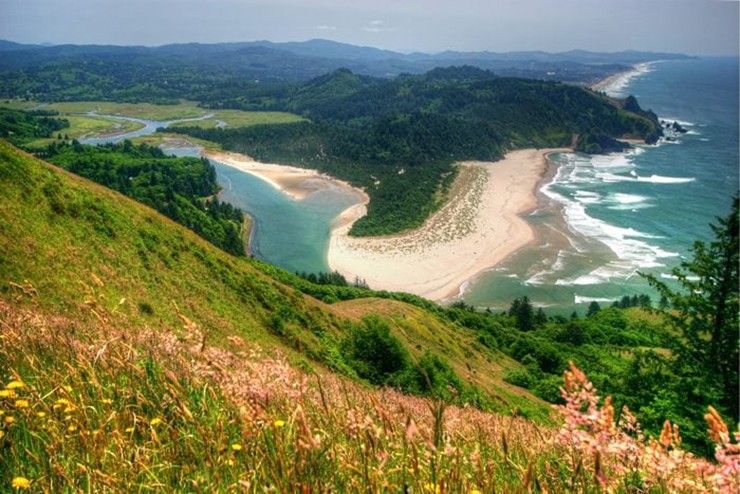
{"points": [[478, 227], [297, 183], [616, 82]]}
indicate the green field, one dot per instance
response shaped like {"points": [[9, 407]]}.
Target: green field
{"points": [[236, 118], [82, 127], [146, 111], [184, 110]]}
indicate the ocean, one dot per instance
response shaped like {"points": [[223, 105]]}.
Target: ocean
{"points": [[602, 220]]}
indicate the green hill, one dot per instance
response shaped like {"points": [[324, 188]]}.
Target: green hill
{"points": [[69, 239], [135, 356]]}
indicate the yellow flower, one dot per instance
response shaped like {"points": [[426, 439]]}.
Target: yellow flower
{"points": [[41, 414], [71, 428], [230, 462], [7, 393], [21, 483], [107, 401], [68, 389], [236, 447], [129, 429], [15, 385], [429, 487], [475, 491], [279, 423], [155, 421], [2, 433], [63, 403], [21, 403], [9, 419]]}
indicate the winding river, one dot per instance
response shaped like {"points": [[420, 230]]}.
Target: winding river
{"points": [[289, 233]]}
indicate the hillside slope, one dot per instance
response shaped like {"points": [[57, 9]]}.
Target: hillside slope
{"points": [[82, 247], [135, 356]]}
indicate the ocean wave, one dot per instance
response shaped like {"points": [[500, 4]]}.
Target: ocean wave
{"points": [[654, 179], [682, 123], [630, 246], [657, 179]]}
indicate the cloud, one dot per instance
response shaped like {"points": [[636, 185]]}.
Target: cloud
{"points": [[326, 28], [377, 26]]}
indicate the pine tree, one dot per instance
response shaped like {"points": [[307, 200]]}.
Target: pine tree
{"points": [[706, 310]]}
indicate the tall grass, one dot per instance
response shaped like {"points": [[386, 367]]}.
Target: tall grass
{"points": [[110, 407]]}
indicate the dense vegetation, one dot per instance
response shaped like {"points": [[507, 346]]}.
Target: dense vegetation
{"points": [[136, 356], [209, 73], [20, 127], [398, 138], [182, 189]]}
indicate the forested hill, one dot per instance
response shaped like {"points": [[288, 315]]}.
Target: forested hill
{"points": [[397, 138], [204, 71]]}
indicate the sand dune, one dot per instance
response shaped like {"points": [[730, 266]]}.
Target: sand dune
{"points": [[475, 230], [478, 228]]}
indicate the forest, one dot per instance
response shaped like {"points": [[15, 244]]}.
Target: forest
{"points": [[398, 138], [183, 189]]}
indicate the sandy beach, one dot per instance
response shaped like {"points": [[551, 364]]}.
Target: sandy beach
{"points": [[297, 183], [478, 228], [620, 79]]}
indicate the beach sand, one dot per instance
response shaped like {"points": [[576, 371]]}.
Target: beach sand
{"points": [[620, 79], [476, 229], [297, 183]]}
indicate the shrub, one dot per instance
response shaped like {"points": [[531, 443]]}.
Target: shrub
{"points": [[374, 353]]}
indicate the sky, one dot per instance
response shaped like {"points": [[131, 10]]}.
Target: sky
{"points": [[695, 27]]}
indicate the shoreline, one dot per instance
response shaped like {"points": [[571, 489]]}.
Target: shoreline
{"points": [[620, 78], [297, 183], [478, 227]]}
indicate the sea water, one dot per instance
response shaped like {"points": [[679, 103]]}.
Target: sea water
{"points": [[603, 220], [289, 233]]}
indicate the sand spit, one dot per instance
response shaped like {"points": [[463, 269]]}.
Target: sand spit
{"points": [[478, 228]]}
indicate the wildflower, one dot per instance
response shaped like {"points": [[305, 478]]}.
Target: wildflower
{"points": [[9, 419], [68, 389], [7, 393], [15, 385], [129, 429], [718, 431], [41, 414], [433, 488], [21, 483], [475, 491], [63, 403], [107, 401], [236, 447], [155, 421], [21, 403], [279, 423], [230, 462], [71, 428], [2, 433]]}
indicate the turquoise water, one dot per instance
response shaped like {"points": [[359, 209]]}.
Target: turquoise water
{"points": [[291, 234], [602, 219]]}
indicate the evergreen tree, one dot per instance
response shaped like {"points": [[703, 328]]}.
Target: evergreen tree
{"points": [[706, 310]]}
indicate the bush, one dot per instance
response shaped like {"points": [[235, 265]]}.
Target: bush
{"points": [[373, 352], [432, 376]]}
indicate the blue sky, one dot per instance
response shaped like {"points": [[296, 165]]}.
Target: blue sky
{"points": [[700, 27]]}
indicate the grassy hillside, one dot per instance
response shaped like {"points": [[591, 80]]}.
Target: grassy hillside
{"points": [[77, 243], [135, 356]]}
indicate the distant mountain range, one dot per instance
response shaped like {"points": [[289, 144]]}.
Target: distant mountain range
{"points": [[295, 61]]}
